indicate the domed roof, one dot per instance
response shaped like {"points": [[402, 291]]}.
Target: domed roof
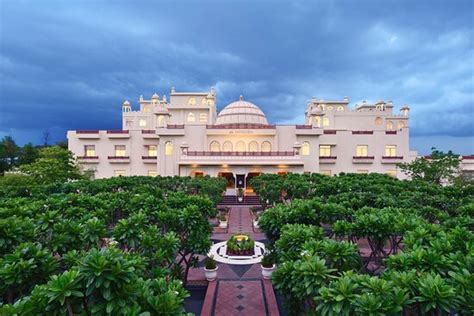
{"points": [[241, 112]]}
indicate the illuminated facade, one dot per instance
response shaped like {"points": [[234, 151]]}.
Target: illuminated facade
{"points": [[186, 136]]}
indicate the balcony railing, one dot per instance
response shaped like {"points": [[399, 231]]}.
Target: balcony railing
{"points": [[148, 131], [117, 132], [88, 157], [175, 126], [149, 157], [304, 127], [362, 132], [363, 157], [328, 157], [241, 154], [241, 126], [392, 157], [391, 132], [87, 132], [329, 131], [118, 157]]}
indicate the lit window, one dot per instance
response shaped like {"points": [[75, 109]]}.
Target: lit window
{"points": [[325, 122], [168, 148], [253, 146], [305, 149], [119, 173], [392, 173], [362, 151], [146, 109], [325, 172], [210, 102], [152, 173], [266, 146], [152, 151], [401, 124], [120, 151], [191, 117], [340, 108], [363, 171], [317, 121], [390, 150], [89, 150], [142, 123], [227, 146], [378, 121], [161, 119], [240, 146], [192, 101], [214, 146], [324, 150], [389, 125], [203, 117]]}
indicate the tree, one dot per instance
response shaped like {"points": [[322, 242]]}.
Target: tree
{"points": [[8, 153], [438, 168], [28, 154]]}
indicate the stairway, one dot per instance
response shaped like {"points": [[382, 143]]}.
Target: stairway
{"points": [[248, 200]]}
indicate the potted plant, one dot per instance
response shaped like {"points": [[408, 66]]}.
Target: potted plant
{"points": [[222, 221], [240, 195], [210, 270], [268, 265]]}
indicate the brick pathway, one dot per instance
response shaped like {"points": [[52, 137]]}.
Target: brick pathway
{"points": [[240, 221]]}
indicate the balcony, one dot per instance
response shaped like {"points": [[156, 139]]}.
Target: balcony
{"points": [[222, 158], [330, 132], [363, 159], [390, 132], [92, 134], [119, 159], [117, 134], [149, 133], [392, 159], [88, 159], [327, 159], [362, 132], [149, 159]]}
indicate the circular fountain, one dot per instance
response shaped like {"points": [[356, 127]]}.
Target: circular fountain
{"points": [[239, 249]]}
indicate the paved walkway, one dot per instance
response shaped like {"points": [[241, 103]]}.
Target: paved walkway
{"points": [[240, 221]]}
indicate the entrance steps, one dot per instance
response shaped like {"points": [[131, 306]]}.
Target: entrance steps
{"points": [[248, 200]]}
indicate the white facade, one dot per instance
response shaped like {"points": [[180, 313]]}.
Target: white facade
{"points": [[185, 136]]}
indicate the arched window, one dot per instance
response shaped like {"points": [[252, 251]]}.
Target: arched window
{"points": [[240, 146], [253, 146], [305, 150], [161, 119], [203, 102], [389, 125], [227, 146], [210, 102], [266, 146], [401, 124], [168, 148], [191, 117], [325, 122], [192, 101], [340, 108], [317, 121], [378, 121], [215, 146], [330, 108], [203, 117]]}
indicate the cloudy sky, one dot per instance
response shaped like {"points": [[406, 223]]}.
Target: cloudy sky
{"points": [[70, 64]]}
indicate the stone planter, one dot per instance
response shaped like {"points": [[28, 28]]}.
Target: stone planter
{"points": [[211, 274], [223, 224], [255, 224], [267, 272]]}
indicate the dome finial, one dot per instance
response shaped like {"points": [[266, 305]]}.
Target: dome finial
{"points": [[241, 98]]}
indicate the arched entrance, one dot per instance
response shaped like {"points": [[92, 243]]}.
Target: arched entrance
{"points": [[229, 176]]}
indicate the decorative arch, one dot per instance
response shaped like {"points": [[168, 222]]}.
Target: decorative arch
{"points": [[378, 121], [305, 149], [191, 117], [266, 146], [227, 146], [192, 101], [389, 125], [325, 122], [317, 120], [340, 108], [214, 146], [253, 146], [240, 146], [203, 117], [168, 148], [400, 124]]}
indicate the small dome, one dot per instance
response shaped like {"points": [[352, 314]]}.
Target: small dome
{"points": [[241, 112], [126, 103], [155, 96]]}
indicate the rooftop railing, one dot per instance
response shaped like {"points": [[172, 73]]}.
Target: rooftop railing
{"points": [[241, 154], [117, 132], [362, 132], [240, 126], [87, 132]]}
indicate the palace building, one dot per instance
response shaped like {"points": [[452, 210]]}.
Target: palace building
{"points": [[186, 136]]}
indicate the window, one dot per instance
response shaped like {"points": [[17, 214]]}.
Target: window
{"points": [[214, 146], [192, 101], [330, 108], [227, 146], [390, 150], [253, 146], [129, 123], [378, 121], [152, 173], [305, 149], [120, 151], [89, 150], [363, 171], [240, 146], [161, 119], [203, 118], [142, 123], [317, 121], [191, 117], [168, 148], [152, 152], [146, 109], [324, 150], [119, 173], [389, 125], [210, 102], [362, 151], [401, 124], [392, 173], [325, 122], [325, 172], [266, 146], [340, 108]]}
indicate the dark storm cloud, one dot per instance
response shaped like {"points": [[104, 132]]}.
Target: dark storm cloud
{"points": [[70, 65]]}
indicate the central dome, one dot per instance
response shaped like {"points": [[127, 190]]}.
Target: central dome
{"points": [[241, 112]]}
